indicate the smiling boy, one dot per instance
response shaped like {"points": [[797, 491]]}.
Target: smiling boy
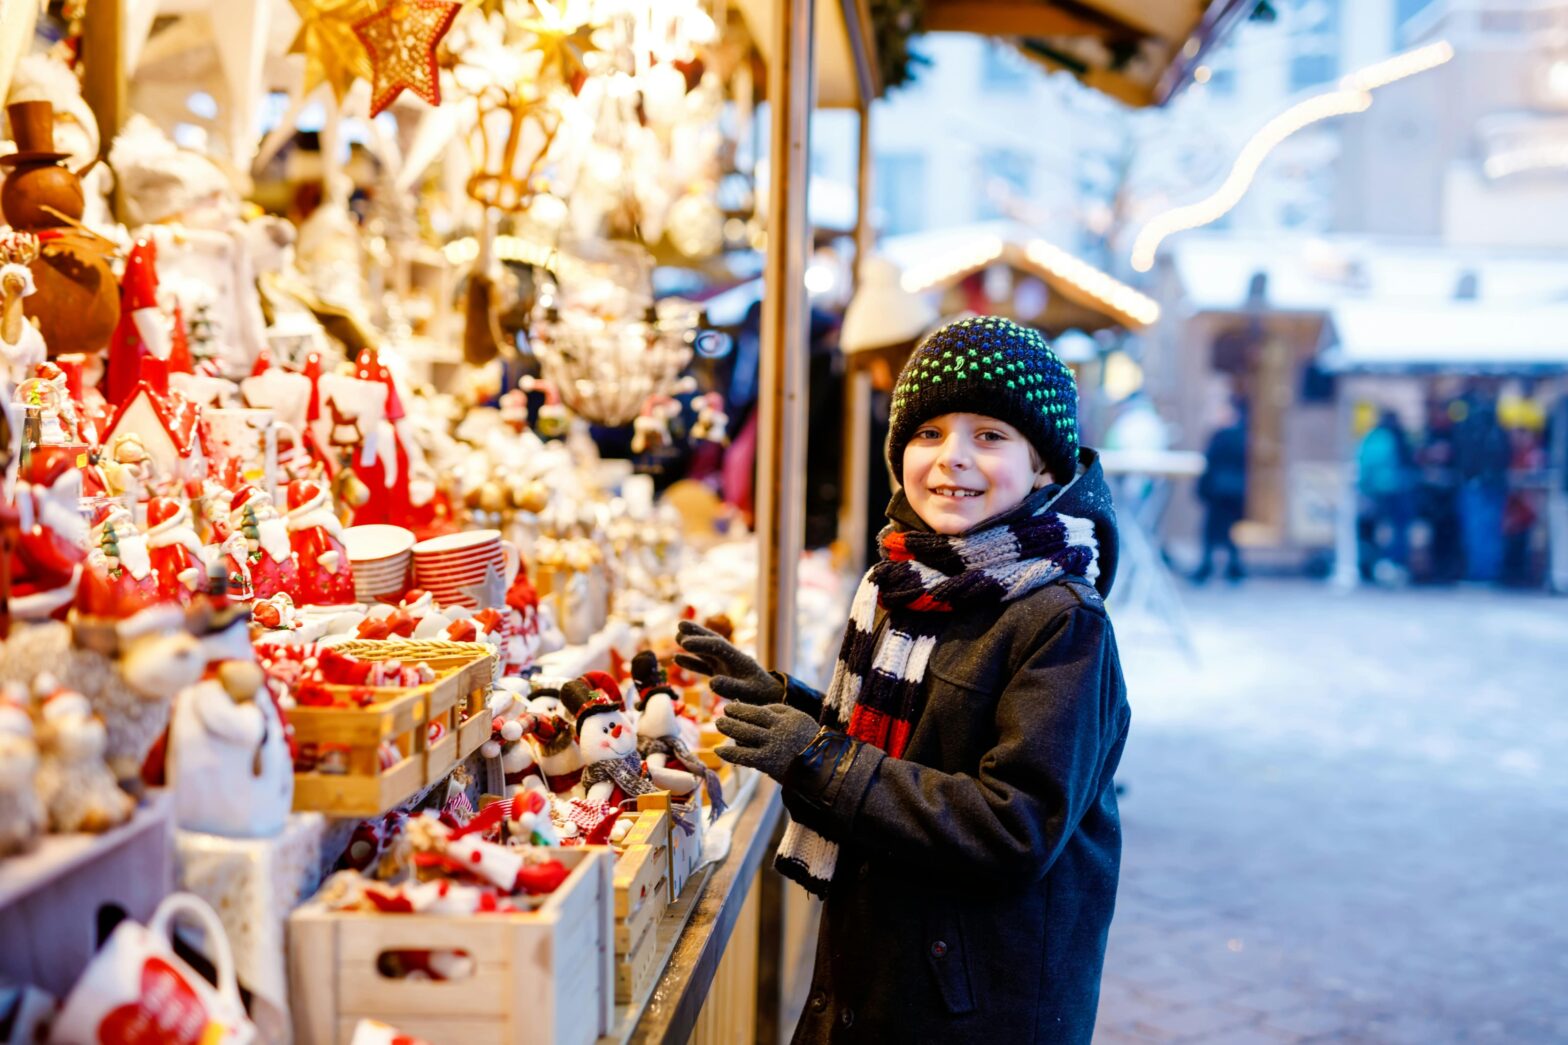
{"points": [[951, 794]]}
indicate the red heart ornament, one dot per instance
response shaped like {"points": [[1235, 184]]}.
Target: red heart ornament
{"points": [[168, 1012]]}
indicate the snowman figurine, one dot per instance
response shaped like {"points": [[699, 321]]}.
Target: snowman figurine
{"points": [[671, 763], [560, 759], [612, 768]]}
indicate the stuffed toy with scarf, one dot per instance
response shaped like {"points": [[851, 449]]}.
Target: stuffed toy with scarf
{"points": [[612, 769], [659, 740]]}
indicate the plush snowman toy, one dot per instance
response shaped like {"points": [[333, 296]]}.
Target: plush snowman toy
{"points": [[560, 759], [612, 768], [671, 762]]}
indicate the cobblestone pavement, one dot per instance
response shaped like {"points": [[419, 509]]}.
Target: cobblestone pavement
{"points": [[1347, 822]]}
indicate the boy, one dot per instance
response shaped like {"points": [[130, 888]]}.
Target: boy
{"points": [[952, 791]]}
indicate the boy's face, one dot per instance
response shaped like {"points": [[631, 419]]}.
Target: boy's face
{"points": [[961, 469]]}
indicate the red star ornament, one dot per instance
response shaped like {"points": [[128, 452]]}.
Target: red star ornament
{"points": [[401, 40]]}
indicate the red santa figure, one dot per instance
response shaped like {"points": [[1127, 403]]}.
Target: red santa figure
{"points": [[175, 550], [271, 560], [316, 535], [520, 641], [119, 581], [50, 536], [387, 478], [143, 328]]}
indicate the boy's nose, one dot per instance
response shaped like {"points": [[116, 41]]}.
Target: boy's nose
{"points": [[954, 455]]}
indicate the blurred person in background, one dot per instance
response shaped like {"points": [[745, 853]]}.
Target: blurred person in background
{"points": [[1437, 496], [1523, 508], [1481, 455], [1384, 477], [1223, 491]]}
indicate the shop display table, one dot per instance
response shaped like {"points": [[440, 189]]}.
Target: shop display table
{"points": [[253, 884], [695, 930], [58, 902]]}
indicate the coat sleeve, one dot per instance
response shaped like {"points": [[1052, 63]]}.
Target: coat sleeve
{"points": [[1058, 721]]}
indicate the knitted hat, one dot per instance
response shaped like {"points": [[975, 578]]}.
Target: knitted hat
{"points": [[991, 366]]}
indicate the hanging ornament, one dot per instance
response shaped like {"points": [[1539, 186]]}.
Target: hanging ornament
{"points": [[333, 54], [401, 40], [561, 48]]}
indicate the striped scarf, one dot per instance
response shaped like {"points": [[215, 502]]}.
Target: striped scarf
{"points": [[922, 578]]}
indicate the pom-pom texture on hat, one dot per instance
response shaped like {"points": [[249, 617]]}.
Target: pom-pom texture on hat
{"points": [[991, 366]]}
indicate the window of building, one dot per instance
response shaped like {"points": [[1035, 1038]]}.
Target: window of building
{"points": [[901, 191], [1003, 175], [1316, 60], [1003, 69]]}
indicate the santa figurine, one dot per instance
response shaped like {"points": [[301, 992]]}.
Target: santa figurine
{"points": [[175, 550], [671, 763], [119, 580], [268, 554], [51, 536], [316, 535], [521, 641]]}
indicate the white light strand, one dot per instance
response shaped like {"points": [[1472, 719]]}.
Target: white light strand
{"points": [[1102, 286], [1353, 95]]}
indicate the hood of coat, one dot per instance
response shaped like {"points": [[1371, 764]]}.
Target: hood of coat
{"points": [[1087, 497]]}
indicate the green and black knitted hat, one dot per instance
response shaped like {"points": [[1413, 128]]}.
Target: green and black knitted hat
{"points": [[991, 366]]}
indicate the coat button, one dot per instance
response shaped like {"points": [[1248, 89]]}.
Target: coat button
{"points": [[819, 1001], [847, 1017], [939, 949]]}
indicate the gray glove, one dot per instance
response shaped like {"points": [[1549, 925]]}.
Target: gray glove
{"points": [[735, 675], [767, 737]]}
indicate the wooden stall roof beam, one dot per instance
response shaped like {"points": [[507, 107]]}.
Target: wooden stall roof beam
{"points": [[1183, 30], [105, 85], [845, 62], [781, 437]]}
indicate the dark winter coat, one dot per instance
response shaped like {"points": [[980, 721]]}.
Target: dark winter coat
{"points": [[1224, 479], [977, 874]]}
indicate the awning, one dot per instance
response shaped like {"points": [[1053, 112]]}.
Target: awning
{"points": [[1138, 51], [1454, 337], [1082, 295]]}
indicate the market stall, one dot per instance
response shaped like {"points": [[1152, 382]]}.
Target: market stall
{"points": [[337, 638]]}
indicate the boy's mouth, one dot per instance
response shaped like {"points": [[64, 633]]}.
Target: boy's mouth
{"points": [[954, 491]]}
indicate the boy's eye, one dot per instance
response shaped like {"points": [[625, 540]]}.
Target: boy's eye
{"points": [[991, 435], [926, 433]]}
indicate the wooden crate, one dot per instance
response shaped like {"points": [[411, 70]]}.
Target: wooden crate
{"points": [[638, 872], [456, 700], [544, 976], [364, 789], [55, 900], [685, 842], [465, 671], [636, 971]]}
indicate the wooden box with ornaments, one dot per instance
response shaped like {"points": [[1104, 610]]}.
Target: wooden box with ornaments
{"points": [[364, 748], [545, 975]]}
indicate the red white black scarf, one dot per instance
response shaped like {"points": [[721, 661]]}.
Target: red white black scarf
{"points": [[921, 580]]}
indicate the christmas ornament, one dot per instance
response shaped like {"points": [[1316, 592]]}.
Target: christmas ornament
{"points": [[401, 41], [333, 54], [561, 49]]}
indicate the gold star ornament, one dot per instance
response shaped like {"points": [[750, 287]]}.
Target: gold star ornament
{"points": [[401, 40], [562, 49], [333, 54]]}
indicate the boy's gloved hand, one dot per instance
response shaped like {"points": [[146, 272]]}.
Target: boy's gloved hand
{"points": [[767, 737], [735, 675]]}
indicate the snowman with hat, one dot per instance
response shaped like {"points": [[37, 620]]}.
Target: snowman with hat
{"points": [[612, 769], [672, 765]]}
